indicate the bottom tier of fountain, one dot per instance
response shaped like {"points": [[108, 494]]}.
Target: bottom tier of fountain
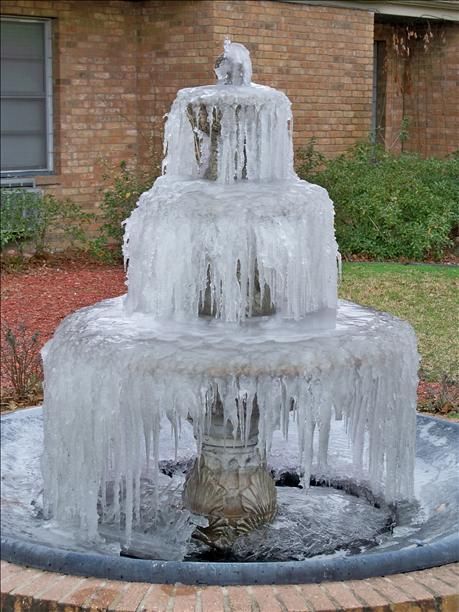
{"points": [[105, 427]]}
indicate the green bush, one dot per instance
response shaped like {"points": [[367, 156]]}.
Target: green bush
{"points": [[33, 218], [387, 206], [18, 215], [124, 187]]}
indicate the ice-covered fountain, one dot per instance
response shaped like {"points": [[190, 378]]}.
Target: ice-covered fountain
{"points": [[230, 340]]}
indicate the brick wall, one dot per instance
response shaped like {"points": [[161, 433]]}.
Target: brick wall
{"points": [[321, 57], [175, 50], [423, 88], [118, 65]]}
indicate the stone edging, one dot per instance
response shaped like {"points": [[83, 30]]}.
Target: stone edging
{"points": [[26, 589]]}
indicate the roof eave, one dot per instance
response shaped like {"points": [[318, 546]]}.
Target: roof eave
{"points": [[420, 9]]}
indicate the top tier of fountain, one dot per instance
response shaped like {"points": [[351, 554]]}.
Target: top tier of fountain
{"points": [[232, 130]]}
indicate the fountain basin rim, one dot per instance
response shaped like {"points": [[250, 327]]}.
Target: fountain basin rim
{"points": [[316, 570]]}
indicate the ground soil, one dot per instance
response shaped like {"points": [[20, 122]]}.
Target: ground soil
{"points": [[450, 259], [42, 295]]}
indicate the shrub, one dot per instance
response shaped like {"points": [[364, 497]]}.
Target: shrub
{"points": [[390, 207], [124, 187], [33, 218], [21, 362], [19, 209], [309, 159], [441, 398]]}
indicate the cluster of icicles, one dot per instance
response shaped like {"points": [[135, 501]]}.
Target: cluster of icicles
{"points": [[247, 129], [103, 421], [205, 236]]}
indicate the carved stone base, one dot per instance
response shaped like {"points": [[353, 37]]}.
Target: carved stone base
{"points": [[230, 485]]}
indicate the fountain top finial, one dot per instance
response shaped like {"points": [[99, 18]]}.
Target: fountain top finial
{"points": [[234, 66]]}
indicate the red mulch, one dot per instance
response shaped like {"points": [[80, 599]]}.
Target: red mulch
{"points": [[427, 389], [439, 397], [43, 295]]}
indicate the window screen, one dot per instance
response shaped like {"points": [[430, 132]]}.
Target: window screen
{"points": [[24, 110]]}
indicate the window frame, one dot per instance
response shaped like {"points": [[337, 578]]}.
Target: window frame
{"points": [[48, 65]]}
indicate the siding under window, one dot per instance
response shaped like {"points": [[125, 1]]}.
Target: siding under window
{"points": [[25, 96]]}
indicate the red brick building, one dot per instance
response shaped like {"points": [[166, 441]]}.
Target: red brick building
{"points": [[87, 81]]}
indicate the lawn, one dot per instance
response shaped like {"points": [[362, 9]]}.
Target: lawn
{"points": [[424, 295]]}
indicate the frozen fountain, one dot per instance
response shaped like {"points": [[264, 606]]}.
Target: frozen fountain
{"points": [[230, 339]]}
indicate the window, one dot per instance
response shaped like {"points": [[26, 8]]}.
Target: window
{"points": [[26, 102]]}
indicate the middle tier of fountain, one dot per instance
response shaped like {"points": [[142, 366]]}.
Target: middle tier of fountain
{"points": [[235, 241]]}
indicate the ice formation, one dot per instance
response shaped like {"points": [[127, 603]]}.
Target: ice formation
{"points": [[228, 133], [111, 377], [304, 524], [234, 66], [228, 224], [222, 233]]}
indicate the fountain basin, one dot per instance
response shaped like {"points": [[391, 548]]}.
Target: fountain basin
{"points": [[428, 539], [261, 346]]}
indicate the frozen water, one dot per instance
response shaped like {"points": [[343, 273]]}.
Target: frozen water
{"points": [[247, 128], [228, 236], [185, 236], [234, 67], [325, 521], [363, 371], [166, 531]]}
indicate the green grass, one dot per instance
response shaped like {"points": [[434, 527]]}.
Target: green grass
{"points": [[426, 296]]}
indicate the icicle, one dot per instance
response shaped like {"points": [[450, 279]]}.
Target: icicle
{"points": [[376, 399]]}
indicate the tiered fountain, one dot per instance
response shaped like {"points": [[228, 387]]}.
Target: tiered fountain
{"points": [[230, 329]]}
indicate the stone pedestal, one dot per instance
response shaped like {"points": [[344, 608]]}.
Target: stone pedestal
{"points": [[229, 484]]}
